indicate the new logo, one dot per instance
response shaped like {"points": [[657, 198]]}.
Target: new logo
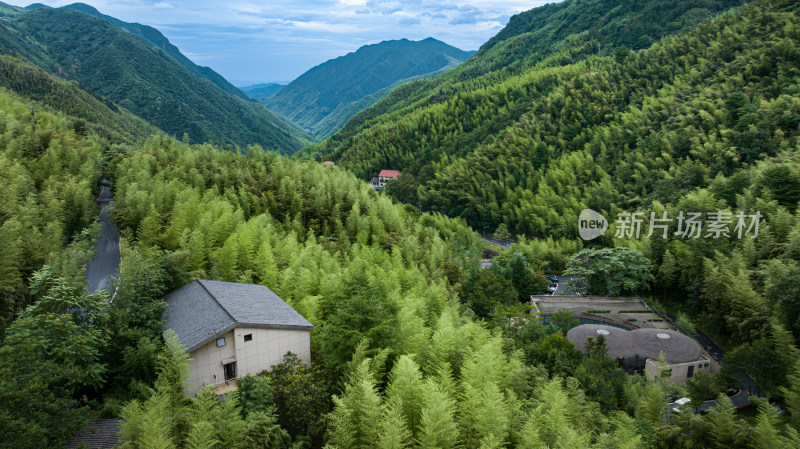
{"points": [[591, 224]]}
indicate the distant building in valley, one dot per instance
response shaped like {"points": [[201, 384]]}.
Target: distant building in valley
{"points": [[387, 175], [233, 329], [328, 163], [376, 184]]}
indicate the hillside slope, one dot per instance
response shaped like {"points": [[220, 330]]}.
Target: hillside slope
{"points": [[105, 118], [119, 66], [599, 26], [481, 149], [325, 97], [154, 38]]}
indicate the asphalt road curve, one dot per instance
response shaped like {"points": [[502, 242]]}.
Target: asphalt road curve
{"points": [[106, 262]]}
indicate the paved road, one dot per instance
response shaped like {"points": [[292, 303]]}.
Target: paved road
{"points": [[747, 386], [106, 261], [562, 285], [503, 243]]}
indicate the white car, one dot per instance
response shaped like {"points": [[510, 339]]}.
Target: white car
{"points": [[681, 401]]}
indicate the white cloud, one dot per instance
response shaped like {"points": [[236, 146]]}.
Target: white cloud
{"points": [[163, 5]]}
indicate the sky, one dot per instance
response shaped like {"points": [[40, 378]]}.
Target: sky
{"points": [[251, 42]]}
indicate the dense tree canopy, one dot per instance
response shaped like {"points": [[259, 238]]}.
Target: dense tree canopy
{"points": [[414, 344], [121, 67]]}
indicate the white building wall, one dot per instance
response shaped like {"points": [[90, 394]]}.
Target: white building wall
{"points": [[267, 348], [207, 362], [680, 371]]}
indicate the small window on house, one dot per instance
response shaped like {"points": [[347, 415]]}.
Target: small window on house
{"points": [[706, 365], [221, 341], [248, 337]]}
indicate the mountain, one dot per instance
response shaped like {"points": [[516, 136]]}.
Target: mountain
{"points": [[634, 24], [325, 97], [479, 139], [104, 117], [113, 63], [703, 123], [154, 38], [606, 26], [261, 92]]}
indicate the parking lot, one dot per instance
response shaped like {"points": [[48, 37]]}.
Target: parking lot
{"points": [[561, 285]]}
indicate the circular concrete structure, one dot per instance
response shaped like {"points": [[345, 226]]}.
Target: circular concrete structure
{"points": [[677, 348], [617, 340], [636, 346]]}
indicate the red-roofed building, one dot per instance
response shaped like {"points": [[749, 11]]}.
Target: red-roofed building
{"points": [[387, 175], [328, 163]]}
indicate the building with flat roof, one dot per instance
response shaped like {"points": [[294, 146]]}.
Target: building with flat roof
{"points": [[231, 329], [627, 312]]}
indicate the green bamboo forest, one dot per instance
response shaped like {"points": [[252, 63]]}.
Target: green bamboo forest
{"points": [[625, 108]]}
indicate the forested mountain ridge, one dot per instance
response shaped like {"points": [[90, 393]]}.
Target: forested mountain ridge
{"points": [[634, 24], [512, 134], [325, 97], [154, 37], [115, 64], [612, 113], [531, 38], [104, 117]]}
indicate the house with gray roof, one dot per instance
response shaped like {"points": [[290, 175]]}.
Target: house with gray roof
{"points": [[98, 434], [232, 329]]}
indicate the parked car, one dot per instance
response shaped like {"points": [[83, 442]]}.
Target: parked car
{"points": [[675, 405]]}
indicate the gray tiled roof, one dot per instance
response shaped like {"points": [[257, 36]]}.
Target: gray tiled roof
{"points": [[202, 310], [98, 434]]}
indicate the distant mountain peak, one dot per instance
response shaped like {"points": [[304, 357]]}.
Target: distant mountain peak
{"points": [[83, 7], [155, 38], [325, 97]]}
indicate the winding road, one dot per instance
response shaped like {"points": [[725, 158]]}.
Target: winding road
{"points": [[106, 261]]}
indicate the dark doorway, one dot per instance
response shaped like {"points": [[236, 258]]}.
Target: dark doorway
{"points": [[230, 371], [691, 372]]}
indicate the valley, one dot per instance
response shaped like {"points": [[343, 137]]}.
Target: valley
{"points": [[449, 227]]}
